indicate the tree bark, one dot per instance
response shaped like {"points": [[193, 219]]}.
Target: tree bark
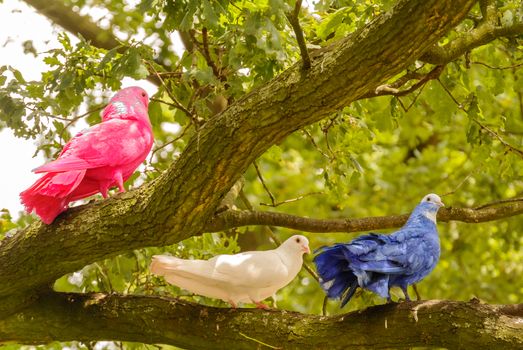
{"points": [[75, 23], [182, 202], [159, 320], [237, 218]]}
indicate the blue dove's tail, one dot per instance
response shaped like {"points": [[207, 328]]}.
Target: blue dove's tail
{"points": [[336, 276]]}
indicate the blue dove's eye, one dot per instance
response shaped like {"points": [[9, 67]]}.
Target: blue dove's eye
{"points": [[428, 199]]}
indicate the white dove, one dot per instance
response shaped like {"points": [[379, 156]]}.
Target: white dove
{"points": [[244, 277]]}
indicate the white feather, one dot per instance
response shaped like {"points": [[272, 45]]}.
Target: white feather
{"points": [[431, 215], [244, 277]]}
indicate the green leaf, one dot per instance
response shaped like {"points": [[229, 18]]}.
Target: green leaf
{"points": [[108, 57], [331, 23], [473, 132], [18, 76], [209, 15], [155, 113], [395, 108], [188, 18]]}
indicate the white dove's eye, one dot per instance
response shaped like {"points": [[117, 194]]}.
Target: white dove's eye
{"points": [[297, 240]]}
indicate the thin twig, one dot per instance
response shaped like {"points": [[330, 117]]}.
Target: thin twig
{"points": [[500, 139], [263, 183], [275, 239], [291, 200], [500, 68], [258, 341], [501, 201], [196, 93], [176, 74], [463, 181], [103, 272], [392, 89], [78, 117], [176, 103], [483, 126], [295, 23], [168, 143], [325, 131], [207, 54], [315, 144], [406, 109], [458, 104]]}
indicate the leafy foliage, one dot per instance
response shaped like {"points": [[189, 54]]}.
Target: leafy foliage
{"points": [[458, 135]]}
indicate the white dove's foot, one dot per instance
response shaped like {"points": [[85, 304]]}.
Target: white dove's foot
{"points": [[233, 304], [260, 305]]}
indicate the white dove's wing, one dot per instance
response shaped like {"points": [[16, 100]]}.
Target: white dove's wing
{"points": [[191, 275], [165, 265], [257, 269]]}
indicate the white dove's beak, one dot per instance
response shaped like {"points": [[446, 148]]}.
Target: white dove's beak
{"points": [[305, 249]]}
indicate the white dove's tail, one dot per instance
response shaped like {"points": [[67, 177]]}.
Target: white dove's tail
{"points": [[163, 264]]}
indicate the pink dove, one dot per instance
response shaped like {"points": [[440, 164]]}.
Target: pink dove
{"points": [[96, 159]]}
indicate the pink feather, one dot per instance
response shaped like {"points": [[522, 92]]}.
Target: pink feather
{"points": [[96, 159]]}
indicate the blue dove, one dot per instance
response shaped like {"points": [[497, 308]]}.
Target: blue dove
{"points": [[378, 262]]}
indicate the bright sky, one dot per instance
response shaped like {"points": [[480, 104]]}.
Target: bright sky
{"points": [[18, 23]]}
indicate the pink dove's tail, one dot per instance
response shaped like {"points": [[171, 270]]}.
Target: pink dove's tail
{"points": [[49, 195]]}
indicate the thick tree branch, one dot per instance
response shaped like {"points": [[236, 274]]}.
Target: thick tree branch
{"points": [[236, 218], [183, 199], [157, 320], [488, 10], [65, 17], [483, 34]]}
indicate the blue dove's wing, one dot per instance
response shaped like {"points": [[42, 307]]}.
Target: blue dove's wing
{"points": [[379, 253]]}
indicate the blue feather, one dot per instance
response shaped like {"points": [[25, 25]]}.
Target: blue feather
{"points": [[378, 262]]}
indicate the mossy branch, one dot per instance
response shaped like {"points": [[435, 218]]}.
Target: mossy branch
{"points": [[160, 320], [236, 218], [486, 32]]}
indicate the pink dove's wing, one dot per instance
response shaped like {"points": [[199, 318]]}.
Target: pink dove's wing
{"points": [[114, 143], [95, 159]]}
